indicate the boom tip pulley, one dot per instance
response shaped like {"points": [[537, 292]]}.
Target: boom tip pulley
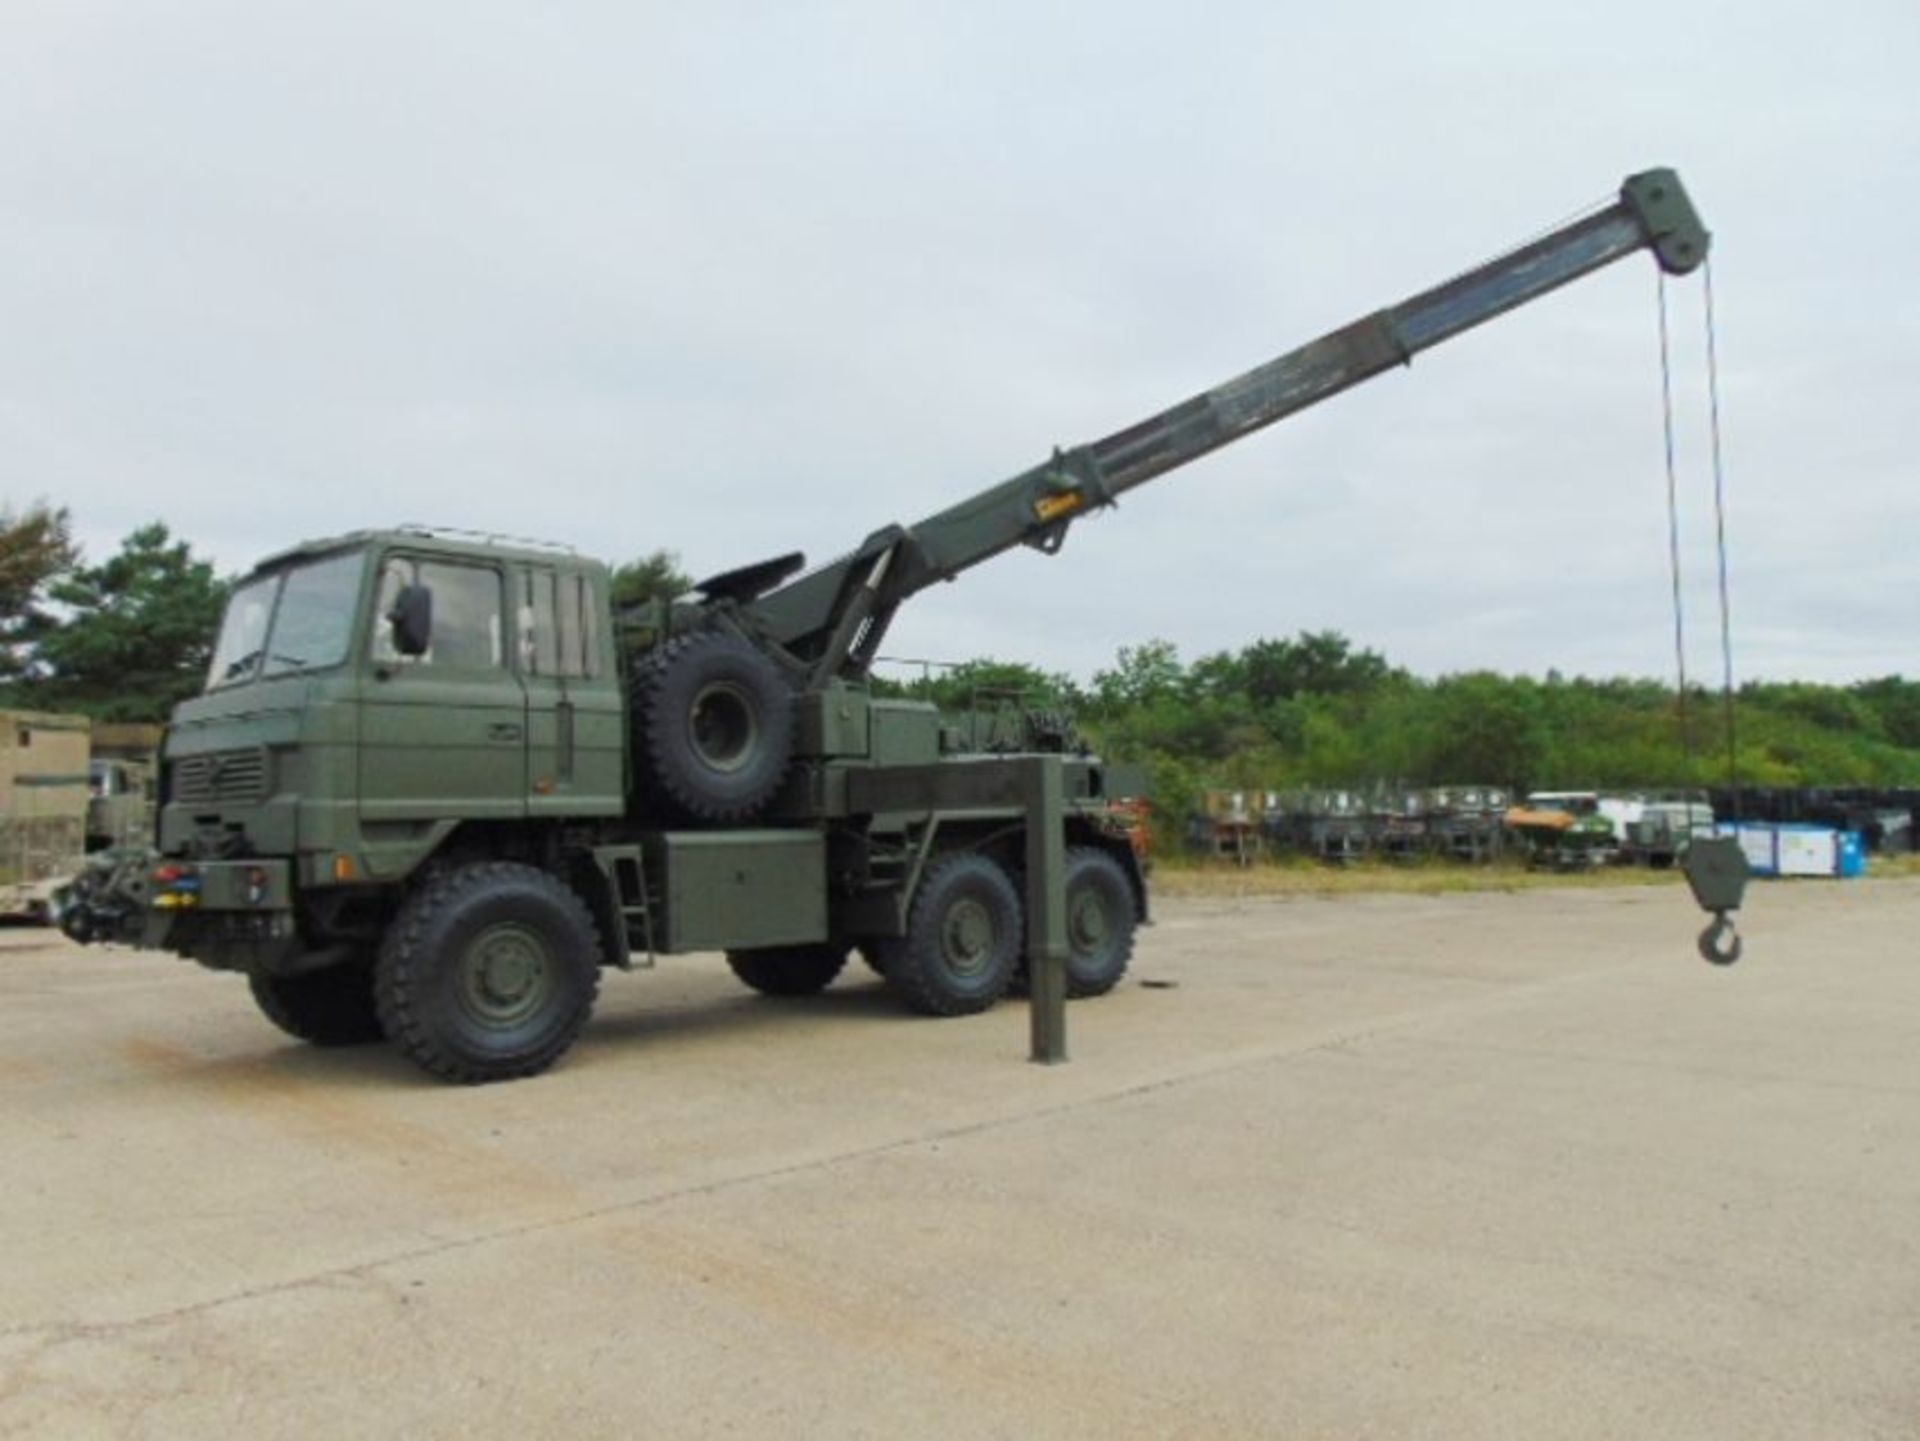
{"points": [[1665, 211]]}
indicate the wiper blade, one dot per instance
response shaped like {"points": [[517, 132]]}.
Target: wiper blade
{"points": [[244, 664]]}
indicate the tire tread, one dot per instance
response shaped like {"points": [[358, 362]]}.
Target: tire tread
{"points": [[903, 960], [403, 953], [656, 751]]}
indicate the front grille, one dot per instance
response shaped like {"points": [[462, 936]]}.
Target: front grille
{"points": [[216, 776]]}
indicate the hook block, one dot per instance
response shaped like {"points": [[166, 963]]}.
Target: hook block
{"points": [[1716, 869]]}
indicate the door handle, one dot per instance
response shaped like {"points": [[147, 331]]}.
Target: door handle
{"points": [[503, 731]]}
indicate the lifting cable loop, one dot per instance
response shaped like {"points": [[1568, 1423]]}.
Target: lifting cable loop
{"points": [[1716, 868]]}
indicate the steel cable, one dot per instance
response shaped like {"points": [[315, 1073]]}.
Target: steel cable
{"points": [[1720, 537], [1673, 520]]}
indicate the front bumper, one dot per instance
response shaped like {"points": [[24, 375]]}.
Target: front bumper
{"points": [[229, 915]]}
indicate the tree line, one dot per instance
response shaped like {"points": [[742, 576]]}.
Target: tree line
{"points": [[1317, 711], [130, 636]]}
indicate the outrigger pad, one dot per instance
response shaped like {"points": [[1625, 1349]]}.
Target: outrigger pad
{"points": [[1716, 868]]}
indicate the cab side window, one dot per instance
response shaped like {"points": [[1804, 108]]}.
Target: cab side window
{"points": [[559, 636], [579, 634], [467, 626], [539, 625]]}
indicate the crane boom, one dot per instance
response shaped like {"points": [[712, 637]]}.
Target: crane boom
{"points": [[832, 619]]}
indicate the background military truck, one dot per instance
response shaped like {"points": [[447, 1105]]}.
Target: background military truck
{"points": [[434, 785], [121, 784], [43, 808]]}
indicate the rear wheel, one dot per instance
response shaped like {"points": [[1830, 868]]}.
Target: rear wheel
{"points": [[789, 970], [489, 972], [962, 941], [328, 1007], [1100, 922]]}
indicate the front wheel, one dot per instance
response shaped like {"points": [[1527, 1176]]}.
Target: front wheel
{"points": [[489, 972]]}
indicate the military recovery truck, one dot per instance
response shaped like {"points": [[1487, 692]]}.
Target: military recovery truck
{"points": [[435, 785]]}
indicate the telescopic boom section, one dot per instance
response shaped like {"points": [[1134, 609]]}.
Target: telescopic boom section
{"points": [[834, 617]]}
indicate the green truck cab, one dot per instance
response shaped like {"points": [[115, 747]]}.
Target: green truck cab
{"points": [[331, 760], [325, 763]]}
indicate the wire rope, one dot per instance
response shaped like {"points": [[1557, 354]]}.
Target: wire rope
{"points": [[1720, 537], [1673, 520]]}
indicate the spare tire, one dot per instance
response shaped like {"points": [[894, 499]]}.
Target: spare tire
{"points": [[713, 728]]}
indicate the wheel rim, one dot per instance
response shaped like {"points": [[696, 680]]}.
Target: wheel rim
{"points": [[723, 725], [507, 976], [1088, 924], [967, 937]]}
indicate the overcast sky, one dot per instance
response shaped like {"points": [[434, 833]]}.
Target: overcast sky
{"points": [[738, 279]]}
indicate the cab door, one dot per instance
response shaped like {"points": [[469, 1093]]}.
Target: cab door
{"points": [[575, 717], [443, 735]]}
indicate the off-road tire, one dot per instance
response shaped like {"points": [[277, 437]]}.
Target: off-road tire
{"points": [[488, 972], [1099, 943], [962, 941], [789, 970], [1101, 920], [712, 727], [330, 1007]]}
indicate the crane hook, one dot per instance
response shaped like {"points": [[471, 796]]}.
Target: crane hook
{"points": [[1720, 942]]}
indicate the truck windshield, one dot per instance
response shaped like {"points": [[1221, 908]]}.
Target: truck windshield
{"points": [[296, 619]]}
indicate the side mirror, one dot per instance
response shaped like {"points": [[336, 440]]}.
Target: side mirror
{"points": [[412, 620]]}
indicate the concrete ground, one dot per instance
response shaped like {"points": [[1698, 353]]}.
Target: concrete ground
{"points": [[1478, 1166]]}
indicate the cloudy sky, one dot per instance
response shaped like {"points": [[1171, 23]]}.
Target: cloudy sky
{"points": [[736, 279]]}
